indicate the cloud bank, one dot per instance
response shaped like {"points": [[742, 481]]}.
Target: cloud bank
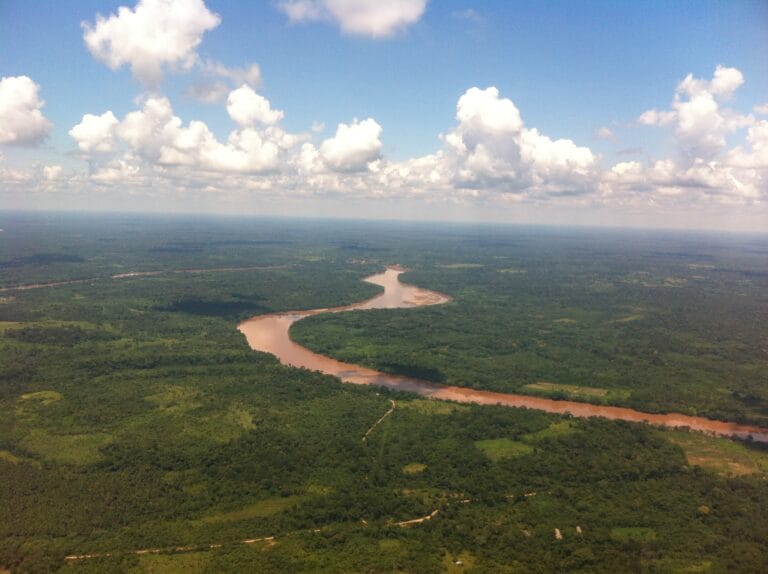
{"points": [[490, 155]]}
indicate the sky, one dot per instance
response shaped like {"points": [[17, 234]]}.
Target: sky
{"points": [[629, 114]]}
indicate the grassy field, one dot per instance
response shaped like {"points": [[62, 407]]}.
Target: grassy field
{"points": [[723, 456], [501, 448], [578, 393]]}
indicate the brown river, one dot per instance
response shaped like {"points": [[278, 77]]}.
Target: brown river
{"points": [[270, 333]]}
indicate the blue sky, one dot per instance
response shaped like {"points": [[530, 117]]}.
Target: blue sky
{"points": [[571, 148]]}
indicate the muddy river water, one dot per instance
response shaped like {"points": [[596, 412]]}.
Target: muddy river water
{"points": [[270, 333]]}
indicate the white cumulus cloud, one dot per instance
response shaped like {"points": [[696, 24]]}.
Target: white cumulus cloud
{"points": [[155, 34], [492, 149], [95, 133], [247, 107], [21, 121], [153, 140], [353, 147], [372, 18], [701, 124]]}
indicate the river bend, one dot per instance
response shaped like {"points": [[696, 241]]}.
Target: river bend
{"points": [[270, 334]]}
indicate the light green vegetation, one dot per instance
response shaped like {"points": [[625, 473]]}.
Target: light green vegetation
{"points": [[633, 534], [574, 392], [500, 448], [77, 449], [429, 407], [10, 457], [175, 398], [191, 563], [414, 468], [555, 430], [458, 563], [567, 389], [461, 265], [43, 397], [723, 456], [700, 266]]}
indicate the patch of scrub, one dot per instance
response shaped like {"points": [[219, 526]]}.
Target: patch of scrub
{"points": [[8, 456], [260, 509], [633, 534], [429, 407], [390, 544], [414, 468], [721, 455], [187, 563], [555, 430], [319, 489], [700, 266], [501, 448], [577, 392], [176, 398], [242, 417], [76, 449], [460, 265], [681, 566], [644, 278], [513, 271], [191, 482], [456, 563], [565, 321], [221, 426], [568, 389], [675, 281], [636, 316], [44, 398], [7, 324]]}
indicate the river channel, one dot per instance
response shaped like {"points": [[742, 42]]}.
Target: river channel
{"points": [[270, 333]]}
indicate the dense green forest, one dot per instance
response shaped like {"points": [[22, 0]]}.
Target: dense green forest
{"points": [[668, 324], [133, 415]]}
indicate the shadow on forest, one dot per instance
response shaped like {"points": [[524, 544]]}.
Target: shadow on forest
{"points": [[226, 309], [414, 371]]}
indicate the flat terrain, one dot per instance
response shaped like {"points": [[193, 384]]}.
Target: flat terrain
{"points": [[665, 323], [137, 427]]}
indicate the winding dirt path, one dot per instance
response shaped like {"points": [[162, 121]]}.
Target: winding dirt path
{"points": [[378, 422], [270, 334], [167, 549]]}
